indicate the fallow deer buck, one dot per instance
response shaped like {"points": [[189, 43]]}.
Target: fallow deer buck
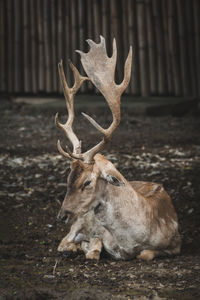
{"points": [[125, 218]]}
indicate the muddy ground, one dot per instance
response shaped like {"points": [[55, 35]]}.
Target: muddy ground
{"points": [[164, 149]]}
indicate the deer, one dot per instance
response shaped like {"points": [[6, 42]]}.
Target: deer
{"points": [[128, 219]]}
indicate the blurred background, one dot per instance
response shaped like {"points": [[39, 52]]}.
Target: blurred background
{"points": [[35, 35]]}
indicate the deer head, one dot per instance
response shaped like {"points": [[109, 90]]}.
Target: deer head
{"points": [[91, 171]]}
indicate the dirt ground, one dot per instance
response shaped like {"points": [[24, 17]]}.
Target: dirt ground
{"points": [[164, 149]]}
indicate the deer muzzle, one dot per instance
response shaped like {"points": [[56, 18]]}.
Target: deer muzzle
{"points": [[64, 215]]}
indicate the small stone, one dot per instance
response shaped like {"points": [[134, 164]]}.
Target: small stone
{"points": [[49, 225], [38, 175], [161, 265], [71, 270], [49, 277], [190, 211]]}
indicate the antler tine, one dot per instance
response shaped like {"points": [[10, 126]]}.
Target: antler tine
{"points": [[69, 98], [127, 72], [78, 79], [68, 154], [60, 149], [101, 70]]}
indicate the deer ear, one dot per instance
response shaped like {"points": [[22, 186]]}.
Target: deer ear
{"points": [[113, 180], [107, 171]]}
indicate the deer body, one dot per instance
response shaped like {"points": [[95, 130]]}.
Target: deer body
{"points": [[127, 219]]}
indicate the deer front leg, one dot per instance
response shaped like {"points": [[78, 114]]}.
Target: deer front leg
{"points": [[68, 243], [66, 246], [93, 250]]}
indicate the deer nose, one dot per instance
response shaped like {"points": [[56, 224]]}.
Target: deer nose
{"points": [[62, 215]]}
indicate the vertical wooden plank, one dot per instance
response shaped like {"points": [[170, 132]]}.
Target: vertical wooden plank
{"points": [[47, 47], [10, 44], [41, 72], [133, 40], [173, 46], [114, 20], [60, 29], [26, 42], [81, 25], [3, 73], [79, 41], [105, 19], [158, 21], [74, 29], [109, 27], [196, 10], [17, 46], [152, 53], [67, 39], [90, 27], [169, 76], [183, 48], [117, 34], [190, 43], [33, 47], [60, 35], [96, 16], [125, 26], [143, 51], [53, 47]]}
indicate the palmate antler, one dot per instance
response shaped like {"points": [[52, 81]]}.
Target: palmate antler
{"points": [[100, 69]]}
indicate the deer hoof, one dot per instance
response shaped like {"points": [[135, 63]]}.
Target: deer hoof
{"points": [[146, 255], [67, 247], [93, 255]]}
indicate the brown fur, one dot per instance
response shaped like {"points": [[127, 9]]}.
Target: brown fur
{"points": [[157, 199], [78, 174], [141, 208]]}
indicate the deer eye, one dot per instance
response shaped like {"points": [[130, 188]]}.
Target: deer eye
{"points": [[87, 183]]}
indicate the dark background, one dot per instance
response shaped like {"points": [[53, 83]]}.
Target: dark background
{"points": [[35, 35]]}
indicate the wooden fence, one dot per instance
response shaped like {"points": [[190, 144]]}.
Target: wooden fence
{"points": [[165, 34]]}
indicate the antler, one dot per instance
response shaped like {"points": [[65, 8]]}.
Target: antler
{"points": [[69, 98], [101, 71]]}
